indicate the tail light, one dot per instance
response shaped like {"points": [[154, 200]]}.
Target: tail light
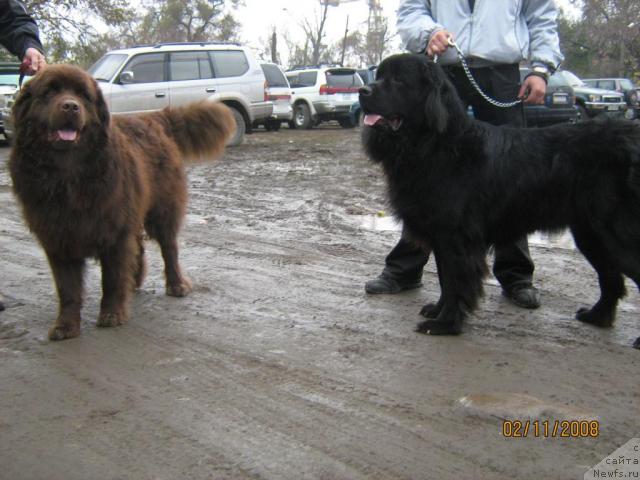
{"points": [[273, 98], [327, 90], [266, 93]]}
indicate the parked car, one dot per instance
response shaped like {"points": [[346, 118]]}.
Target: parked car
{"points": [[321, 94], [368, 75], [594, 101], [278, 91], [148, 78], [559, 103], [9, 77], [620, 85]]}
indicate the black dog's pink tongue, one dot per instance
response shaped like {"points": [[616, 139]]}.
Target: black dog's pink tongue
{"points": [[67, 135], [371, 119]]}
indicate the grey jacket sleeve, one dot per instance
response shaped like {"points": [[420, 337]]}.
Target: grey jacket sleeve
{"points": [[415, 24], [544, 43], [18, 31]]}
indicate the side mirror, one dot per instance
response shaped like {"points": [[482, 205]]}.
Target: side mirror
{"points": [[126, 77]]}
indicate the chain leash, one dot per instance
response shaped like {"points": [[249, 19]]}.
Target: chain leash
{"points": [[473, 82]]}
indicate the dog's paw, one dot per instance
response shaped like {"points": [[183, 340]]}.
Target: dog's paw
{"points": [[62, 332], [594, 317], [431, 310], [110, 319], [636, 344], [438, 327], [180, 289]]}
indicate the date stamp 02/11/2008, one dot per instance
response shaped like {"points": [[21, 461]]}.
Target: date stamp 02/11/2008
{"points": [[550, 428]]}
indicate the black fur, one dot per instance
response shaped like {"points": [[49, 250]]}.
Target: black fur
{"points": [[461, 186]]}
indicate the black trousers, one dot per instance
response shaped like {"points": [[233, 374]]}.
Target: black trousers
{"points": [[512, 264]]}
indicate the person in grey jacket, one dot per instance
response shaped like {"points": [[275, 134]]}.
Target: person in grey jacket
{"points": [[19, 34], [494, 36]]}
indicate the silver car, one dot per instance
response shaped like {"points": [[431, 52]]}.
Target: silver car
{"points": [[147, 78], [279, 92]]}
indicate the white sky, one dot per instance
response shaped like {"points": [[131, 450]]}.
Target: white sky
{"points": [[258, 17]]}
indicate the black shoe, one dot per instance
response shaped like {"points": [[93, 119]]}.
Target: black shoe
{"points": [[387, 284], [524, 296]]}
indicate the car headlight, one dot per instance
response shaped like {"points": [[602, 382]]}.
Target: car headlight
{"points": [[595, 98]]}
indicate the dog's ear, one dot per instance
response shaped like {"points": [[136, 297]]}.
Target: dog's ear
{"points": [[101, 106], [435, 109], [21, 105]]}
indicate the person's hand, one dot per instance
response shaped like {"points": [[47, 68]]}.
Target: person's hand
{"points": [[34, 60], [534, 87], [439, 43]]}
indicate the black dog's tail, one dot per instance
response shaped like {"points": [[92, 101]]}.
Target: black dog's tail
{"points": [[201, 130]]}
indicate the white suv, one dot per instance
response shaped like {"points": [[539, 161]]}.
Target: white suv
{"points": [[148, 78], [323, 94]]}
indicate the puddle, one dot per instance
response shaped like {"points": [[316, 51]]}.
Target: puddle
{"points": [[388, 223], [378, 223]]}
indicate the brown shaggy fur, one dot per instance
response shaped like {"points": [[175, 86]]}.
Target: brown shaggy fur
{"points": [[90, 184]]}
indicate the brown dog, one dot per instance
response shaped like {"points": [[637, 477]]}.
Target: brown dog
{"points": [[90, 184]]}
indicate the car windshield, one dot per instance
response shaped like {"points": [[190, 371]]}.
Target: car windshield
{"points": [[572, 79], [9, 79], [105, 68], [557, 80], [627, 84], [343, 78]]}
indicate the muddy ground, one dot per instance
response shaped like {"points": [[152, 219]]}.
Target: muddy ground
{"points": [[279, 366]]}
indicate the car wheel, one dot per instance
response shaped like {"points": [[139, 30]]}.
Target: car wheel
{"points": [[302, 116], [241, 128], [582, 113], [346, 123]]}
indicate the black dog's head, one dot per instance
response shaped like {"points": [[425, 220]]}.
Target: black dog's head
{"points": [[411, 92]]}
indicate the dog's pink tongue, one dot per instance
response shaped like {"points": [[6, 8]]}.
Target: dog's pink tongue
{"points": [[371, 119], [68, 135]]}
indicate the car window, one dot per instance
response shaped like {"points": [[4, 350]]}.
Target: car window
{"points": [[10, 79], [105, 68], [274, 76], [607, 84], [229, 63], [189, 66], [346, 79], [302, 79], [146, 68]]}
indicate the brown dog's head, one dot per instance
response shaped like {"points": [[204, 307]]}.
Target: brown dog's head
{"points": [[411, 93], [61, 106]]}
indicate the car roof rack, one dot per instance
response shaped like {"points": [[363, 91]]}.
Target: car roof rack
{"points": [[323, 65], [175, 44]]}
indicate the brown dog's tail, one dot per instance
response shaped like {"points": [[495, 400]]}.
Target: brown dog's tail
{"points": [[201, 130]]}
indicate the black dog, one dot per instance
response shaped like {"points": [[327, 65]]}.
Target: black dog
{"points": [[461, 186]]}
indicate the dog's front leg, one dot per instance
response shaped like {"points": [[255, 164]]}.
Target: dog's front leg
{"points": [[68, 275], [460, 270], [119, 265]]}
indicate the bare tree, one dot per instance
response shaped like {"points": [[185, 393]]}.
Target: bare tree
{"points": [[315, 32], [613, 36]]}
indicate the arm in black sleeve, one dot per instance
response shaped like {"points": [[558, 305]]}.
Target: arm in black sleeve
{"points": [[18, 31]]}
